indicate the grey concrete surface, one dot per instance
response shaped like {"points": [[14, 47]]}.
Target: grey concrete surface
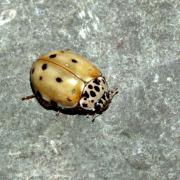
{"points": [[136, 44]]}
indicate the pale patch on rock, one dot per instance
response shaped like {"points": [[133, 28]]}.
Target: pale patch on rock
{"points": [[82, 14], [156, 78], [7, 16]]}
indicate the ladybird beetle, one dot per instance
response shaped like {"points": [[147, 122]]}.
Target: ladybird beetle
{"points": [[69, 83]]}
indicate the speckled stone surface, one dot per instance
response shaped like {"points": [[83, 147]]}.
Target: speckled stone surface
{"points": [[136, 44]]}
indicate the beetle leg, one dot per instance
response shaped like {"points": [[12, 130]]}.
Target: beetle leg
{"points": [[87, 116], [27, 97], [94, 117], [58, 113], [112, 93]]}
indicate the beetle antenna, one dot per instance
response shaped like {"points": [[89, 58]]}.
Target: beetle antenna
{"points": [[27, 97]]}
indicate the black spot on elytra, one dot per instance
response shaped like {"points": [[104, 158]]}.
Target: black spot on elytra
{"points": [[53, 103], [44, 67], [92, 93], [52, 56], [84, 105], [32, 70], [92, 101], [86, 94], [69, 99], [96, 88], [96, 81], [74, 60], [85, 98], [40, 78], [102, 88], [90, 86], [58, 79]]}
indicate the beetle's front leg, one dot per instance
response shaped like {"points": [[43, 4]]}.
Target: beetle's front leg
{"points": [[28, 97]]}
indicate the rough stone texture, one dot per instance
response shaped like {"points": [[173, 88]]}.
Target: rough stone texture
{"points": [[136, 43]]}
